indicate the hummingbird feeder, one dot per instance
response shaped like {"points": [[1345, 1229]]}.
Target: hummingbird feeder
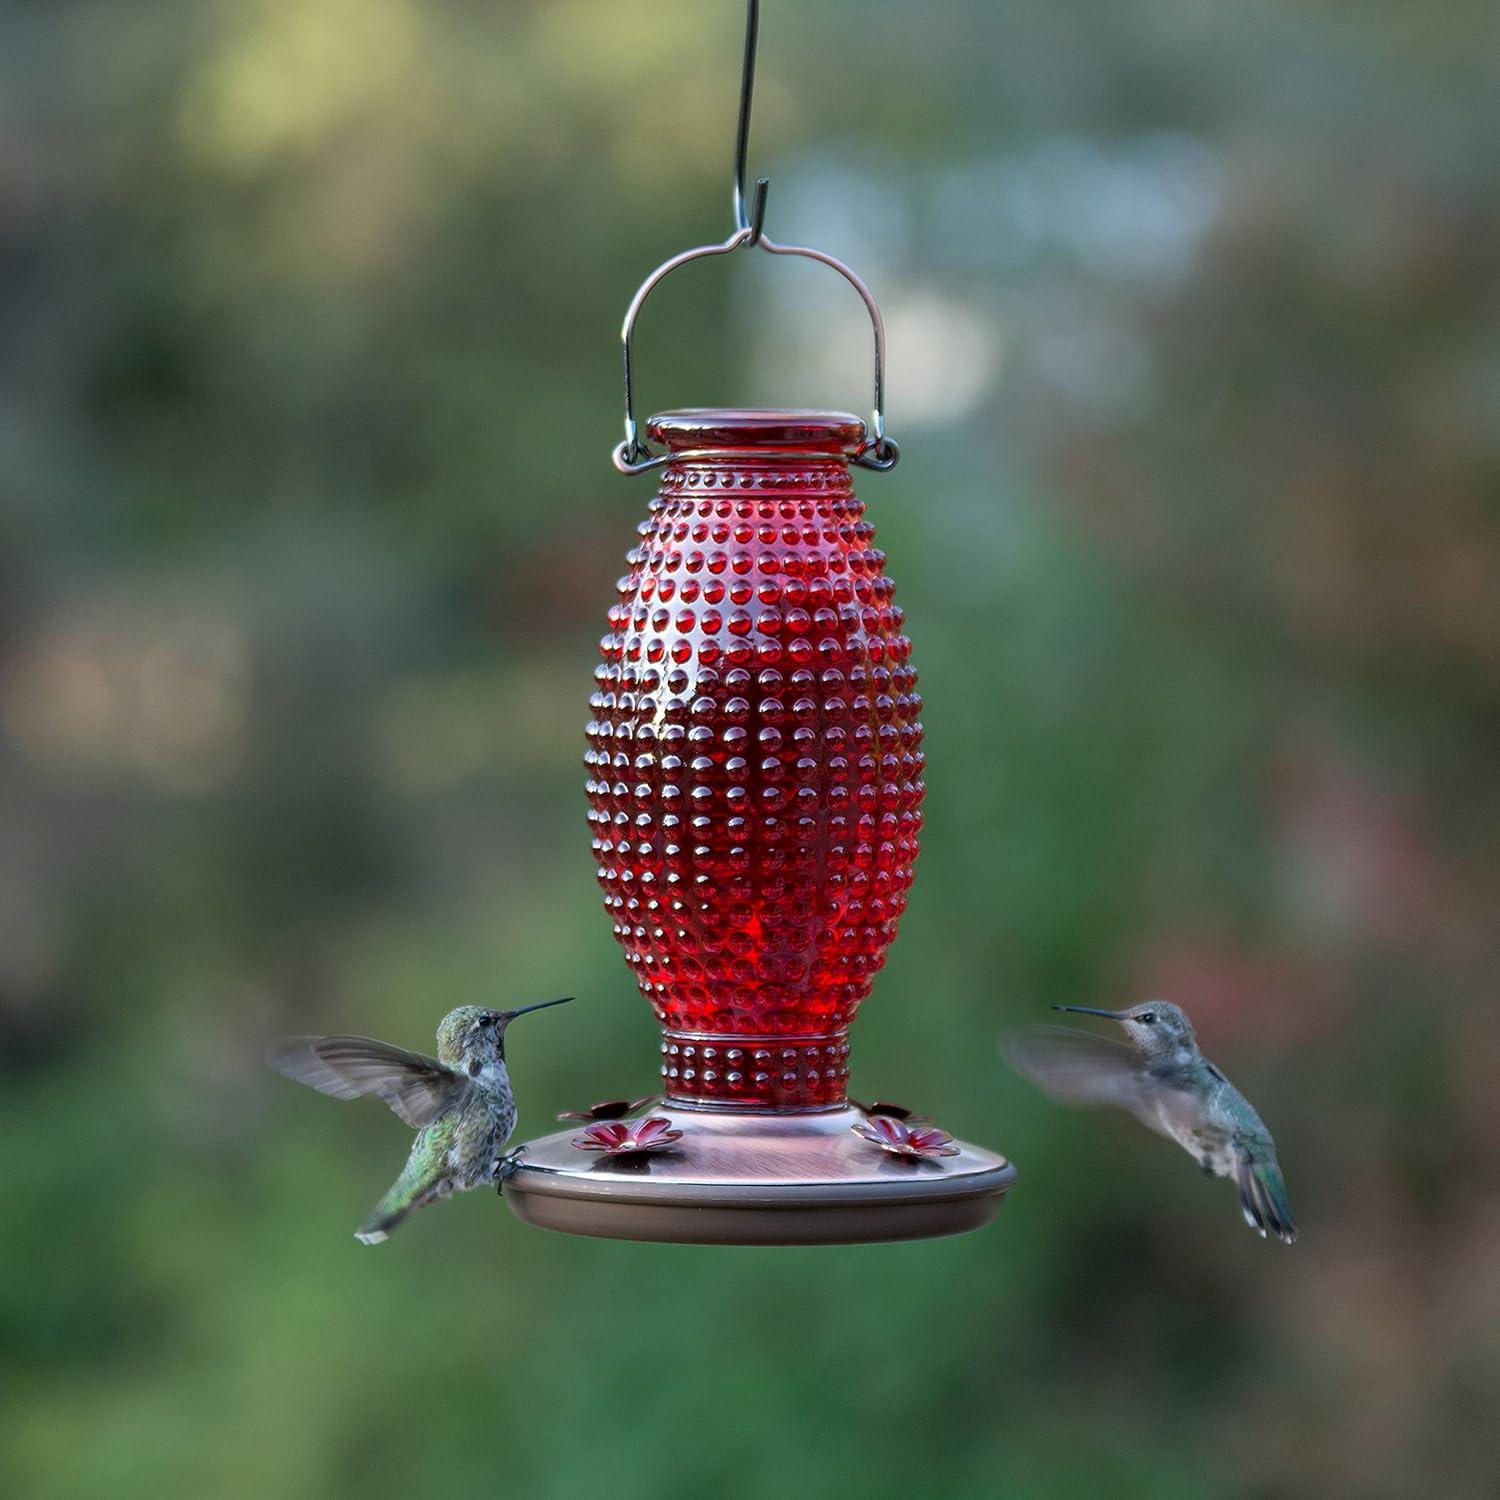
{"points": [[755, 789]]}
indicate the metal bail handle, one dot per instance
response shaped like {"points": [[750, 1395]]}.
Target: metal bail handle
{"points": [[878, 451], [633, 456]]}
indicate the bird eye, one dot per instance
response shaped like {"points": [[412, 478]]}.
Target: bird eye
{"points": [[475, 1068], [1148, 1018]]}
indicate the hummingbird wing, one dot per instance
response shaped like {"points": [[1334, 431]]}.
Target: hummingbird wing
{"points": [[1078, 1067], [417, 1088]]}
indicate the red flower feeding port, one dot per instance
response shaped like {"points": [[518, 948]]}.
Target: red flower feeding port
{"points": [[629, 1138], [755, 787]]}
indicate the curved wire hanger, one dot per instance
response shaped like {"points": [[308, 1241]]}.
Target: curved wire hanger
{"points": [[633, 456]]}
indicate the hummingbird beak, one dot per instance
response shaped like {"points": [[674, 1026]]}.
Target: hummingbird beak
{"points": [[1089, 1010], [510, 1015]]}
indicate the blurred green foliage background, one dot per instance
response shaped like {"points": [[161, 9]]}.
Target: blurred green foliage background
{"points": [[308, 379]]}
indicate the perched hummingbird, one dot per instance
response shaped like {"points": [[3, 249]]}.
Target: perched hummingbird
{"points": [[460, 1103], [1169, 1086]]}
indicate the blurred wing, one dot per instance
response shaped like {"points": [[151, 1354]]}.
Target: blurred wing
{"points": [[417, 1088], [1078, 1067]]}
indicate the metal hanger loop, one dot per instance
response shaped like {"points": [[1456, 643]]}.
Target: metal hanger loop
{"points": [[632, 456], [755, 219]]}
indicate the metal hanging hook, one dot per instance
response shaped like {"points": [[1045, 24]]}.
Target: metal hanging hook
{"points": [[755, 219], [633, 456]]}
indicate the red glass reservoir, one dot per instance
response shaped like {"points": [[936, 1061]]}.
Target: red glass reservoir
{"points": [[755, 761]]}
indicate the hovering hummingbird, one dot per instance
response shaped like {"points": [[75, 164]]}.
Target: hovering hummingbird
{"points": [[1170, 1087], [460, 1103]]}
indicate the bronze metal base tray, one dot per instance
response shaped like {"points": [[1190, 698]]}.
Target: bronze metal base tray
{"points": [[756, 1179]]}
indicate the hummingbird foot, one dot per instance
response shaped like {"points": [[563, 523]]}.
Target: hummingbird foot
{"points": [[505, 1168]]}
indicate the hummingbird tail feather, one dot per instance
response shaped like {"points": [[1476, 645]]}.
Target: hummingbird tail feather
{"points": [[1263, 1198], [395, 1206], [376, 1230]]}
